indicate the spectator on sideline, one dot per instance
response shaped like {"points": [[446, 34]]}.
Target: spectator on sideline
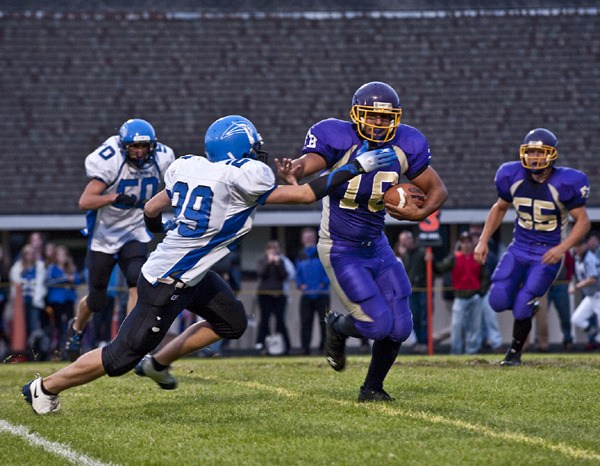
{"points": [[543, 196], [469, 282], [30, 273], [412, 256], [363, 270], [587, 270], [594, 245], [61, 279], [489, 334], [214, 201], [272, 300], [125, 171], [37, 240], [313, 283]]}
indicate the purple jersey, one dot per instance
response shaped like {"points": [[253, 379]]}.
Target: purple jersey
{"points": [[542, 208], [355, 211]]}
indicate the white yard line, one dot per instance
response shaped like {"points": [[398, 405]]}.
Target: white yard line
{"points": [[58, 449]]}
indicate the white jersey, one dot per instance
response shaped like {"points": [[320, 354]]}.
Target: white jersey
{"points": [[214, 204], [110, 227]]}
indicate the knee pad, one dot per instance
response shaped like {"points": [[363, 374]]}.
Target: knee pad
{"points": [[213, 300], [97, 299], [498, 298], [377, 329], [233, 322]]}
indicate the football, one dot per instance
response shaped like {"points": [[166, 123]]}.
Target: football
{"points": [[402, 193]]}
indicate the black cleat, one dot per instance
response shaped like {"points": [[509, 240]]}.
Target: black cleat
{"points": [[73, 344], [335, 343], [368, 394], [512, 358]]}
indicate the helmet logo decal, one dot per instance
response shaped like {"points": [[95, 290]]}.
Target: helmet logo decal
{"points": [[141, 138], [239, 128]]}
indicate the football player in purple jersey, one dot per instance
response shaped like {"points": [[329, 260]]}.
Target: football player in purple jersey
{"points": [[369, 280], [543, 195]]}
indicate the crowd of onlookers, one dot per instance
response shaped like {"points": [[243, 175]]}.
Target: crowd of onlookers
{"points": [[474, 326], [48, 279], [45, 276]]}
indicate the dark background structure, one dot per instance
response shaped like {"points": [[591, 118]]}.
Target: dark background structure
{"points": [[474, 77]]}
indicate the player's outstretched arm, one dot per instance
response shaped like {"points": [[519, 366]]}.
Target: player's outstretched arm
{"points": [[325, 184], [290, 171]]}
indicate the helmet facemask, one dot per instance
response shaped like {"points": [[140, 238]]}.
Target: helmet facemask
{"points": [[538, 151], [257, 153], [139, 162], [365, 118], [134, 133]]}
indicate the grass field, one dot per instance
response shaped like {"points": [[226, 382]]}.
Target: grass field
{"points": [[280, 411]]}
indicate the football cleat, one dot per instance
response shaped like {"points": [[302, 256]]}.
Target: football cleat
{"points": [[512, 358], [73, 344], [39, 401], [335, 343], [368, 394], [164, 379]]}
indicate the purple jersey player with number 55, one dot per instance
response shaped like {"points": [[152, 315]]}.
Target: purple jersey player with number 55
{"points": [[369, 280], [543, 196]]}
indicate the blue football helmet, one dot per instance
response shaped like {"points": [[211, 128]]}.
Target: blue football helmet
{"points": [[538, 150], [137, 131], [373, 100], [233, 137]]}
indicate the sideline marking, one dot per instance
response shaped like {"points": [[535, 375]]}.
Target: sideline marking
{"points": [[55, 448], [562, 448]]}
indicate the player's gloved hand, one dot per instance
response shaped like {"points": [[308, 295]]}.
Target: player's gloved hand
{"points": [[375, 159], [126, 200]]}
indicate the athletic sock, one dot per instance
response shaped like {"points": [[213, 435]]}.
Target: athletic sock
{"points": [[383, 355], [157, 365], [44, 391], [521, 329]]}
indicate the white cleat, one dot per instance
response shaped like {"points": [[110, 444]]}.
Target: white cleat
{"points": [[39, 401]]}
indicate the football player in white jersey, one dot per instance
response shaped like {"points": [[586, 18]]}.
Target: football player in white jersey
{"points": [[214, 200], [125, 172]]}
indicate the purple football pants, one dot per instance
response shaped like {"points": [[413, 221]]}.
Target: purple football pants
{"points": [[372, 284], [519, 279]]}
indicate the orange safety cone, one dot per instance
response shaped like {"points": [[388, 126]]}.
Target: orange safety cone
{"points": [[18, 327]]}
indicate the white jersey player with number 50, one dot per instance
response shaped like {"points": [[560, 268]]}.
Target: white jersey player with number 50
{"points": [[112, 225], [124, 172]]}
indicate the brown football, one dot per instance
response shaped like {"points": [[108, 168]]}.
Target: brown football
{"points": [[402, 193]]}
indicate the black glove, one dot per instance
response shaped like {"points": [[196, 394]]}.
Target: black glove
{"points": [[127, 200]]}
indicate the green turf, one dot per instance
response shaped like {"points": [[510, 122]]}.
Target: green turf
{"points": [[296, 410]]}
